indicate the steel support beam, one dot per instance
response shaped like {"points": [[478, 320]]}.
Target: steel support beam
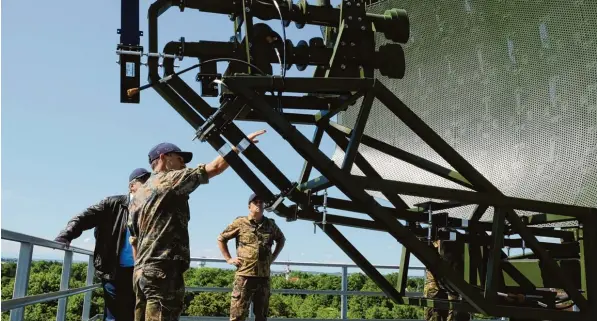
{"points": [[432, 139], [350, 188], [486, 265]]}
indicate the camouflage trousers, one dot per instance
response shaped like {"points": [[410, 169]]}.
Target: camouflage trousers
{"points": [[159, 294], [433, 291], [246, 290]]}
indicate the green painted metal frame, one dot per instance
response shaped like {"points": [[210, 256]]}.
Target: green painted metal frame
{"points": [[490, 282]]}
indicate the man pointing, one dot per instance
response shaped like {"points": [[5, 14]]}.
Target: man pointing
{"points": [[159, 229]]}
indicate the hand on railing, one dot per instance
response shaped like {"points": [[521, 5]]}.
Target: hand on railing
{"points": [[63, 241], [234, 261]]}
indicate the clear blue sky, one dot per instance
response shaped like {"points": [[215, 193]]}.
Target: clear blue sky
{"points": [[67, 141]]}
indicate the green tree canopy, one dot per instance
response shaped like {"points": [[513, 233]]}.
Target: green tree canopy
{"points": [[45, 277]]}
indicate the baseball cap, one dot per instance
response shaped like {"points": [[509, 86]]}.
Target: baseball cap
{"points": [[253, 197], [138, 173], [165, 148]]}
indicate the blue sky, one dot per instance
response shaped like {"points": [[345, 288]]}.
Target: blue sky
{"points": [[67, 141]]}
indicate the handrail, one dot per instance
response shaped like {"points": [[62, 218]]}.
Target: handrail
{"points": [[24, 238], [20, 300], [19, 296], [302, 263], [45, 297], [296, 291]]}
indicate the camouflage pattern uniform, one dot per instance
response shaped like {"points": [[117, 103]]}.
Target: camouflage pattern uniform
{"points": [[433, 291], [252, 280], [158, 221]]}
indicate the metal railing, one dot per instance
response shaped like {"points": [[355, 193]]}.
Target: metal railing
{"points": [[20, 299], [19, 295]]}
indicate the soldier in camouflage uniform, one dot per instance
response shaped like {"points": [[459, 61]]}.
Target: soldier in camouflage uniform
{"points": [[433, 291], [158, 222], [254, 236]]}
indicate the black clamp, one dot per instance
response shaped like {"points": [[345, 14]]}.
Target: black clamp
{"points": [[215, 123], [123, 47], [272, 205]]}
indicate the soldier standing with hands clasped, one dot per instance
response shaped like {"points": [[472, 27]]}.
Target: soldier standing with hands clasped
{"points": [[254, 236]]}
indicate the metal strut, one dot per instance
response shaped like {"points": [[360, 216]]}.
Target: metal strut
{"points": [[346, 63]]}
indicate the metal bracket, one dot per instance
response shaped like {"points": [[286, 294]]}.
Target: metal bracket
{"points": [[430, 213], [294, 216], [280, 197], [216, 122], [325, 211], [181, 47]]}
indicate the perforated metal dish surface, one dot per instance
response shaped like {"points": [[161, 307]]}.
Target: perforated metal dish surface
{"points": [[511, 85]]}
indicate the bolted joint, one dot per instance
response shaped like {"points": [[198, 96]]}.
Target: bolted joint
{"points": [[272, 205]]}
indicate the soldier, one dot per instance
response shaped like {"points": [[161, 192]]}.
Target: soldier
{"points": [[159, 229], [432, 290], [112, 256], [254, 236]]}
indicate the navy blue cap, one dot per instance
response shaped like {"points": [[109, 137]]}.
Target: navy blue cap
{"points": [[253, 197], [165, 148], [138, 173]]}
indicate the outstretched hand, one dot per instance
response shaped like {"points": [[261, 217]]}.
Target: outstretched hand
{"points": [[253, 135]]}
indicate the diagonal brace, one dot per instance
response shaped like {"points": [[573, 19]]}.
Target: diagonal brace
{"points": [[458, 162], [348, 186]]}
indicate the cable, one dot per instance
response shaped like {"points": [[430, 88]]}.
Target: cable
{"points": [[282, 65], [134, 91], [283, 71]]}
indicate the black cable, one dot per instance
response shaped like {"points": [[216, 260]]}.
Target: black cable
{"points": [[134, 91]]}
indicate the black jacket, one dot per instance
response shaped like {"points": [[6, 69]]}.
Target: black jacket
{"points": [[108, 218]]}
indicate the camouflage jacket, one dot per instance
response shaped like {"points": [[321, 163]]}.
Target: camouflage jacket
{"points": [[253, 244], [159, 216]]}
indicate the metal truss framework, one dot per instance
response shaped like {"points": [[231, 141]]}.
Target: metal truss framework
{"points": [[489, 281]]}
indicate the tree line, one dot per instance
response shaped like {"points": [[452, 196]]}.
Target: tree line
{"points": [[45, 277]]}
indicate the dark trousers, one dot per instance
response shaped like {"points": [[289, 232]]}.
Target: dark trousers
{"points": [[119, 297], [247, 290]]}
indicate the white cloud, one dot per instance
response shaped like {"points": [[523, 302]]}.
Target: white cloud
{"points": [[87, 240]]}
